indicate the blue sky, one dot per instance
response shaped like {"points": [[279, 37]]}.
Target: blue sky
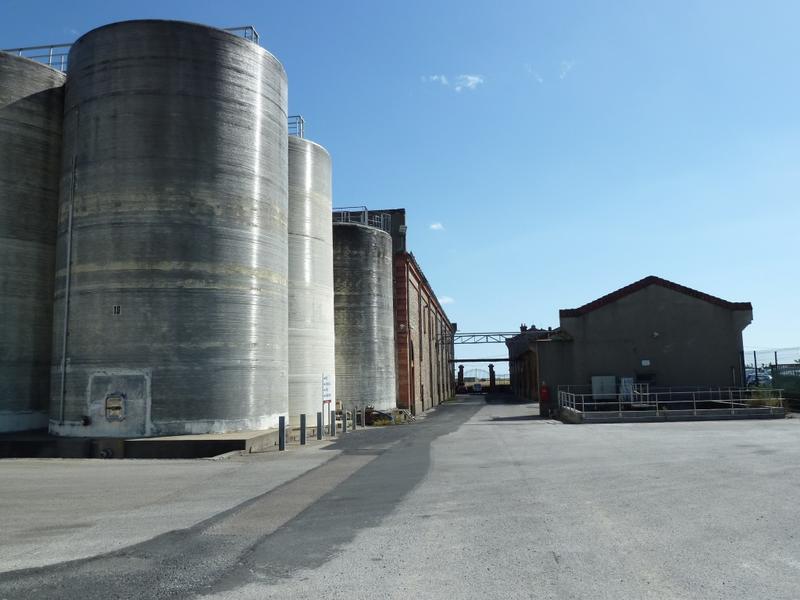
{"points": [[566, 148]]}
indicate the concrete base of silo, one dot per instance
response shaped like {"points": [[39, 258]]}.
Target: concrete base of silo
{"points": [[40, 444], [202, 445]]}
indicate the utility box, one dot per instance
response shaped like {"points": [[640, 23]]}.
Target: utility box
{"points": [[604, 387]]}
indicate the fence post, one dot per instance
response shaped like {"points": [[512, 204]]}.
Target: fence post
{"points": [[344, 421], [319, 425], [755, 366], [303, 429], [694, 403], [281, 433], [333, 423]]}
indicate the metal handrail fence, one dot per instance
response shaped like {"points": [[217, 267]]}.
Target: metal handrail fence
{"points": [[587, 389], [56, 55], [729, 398], [248, 32], [360, 215], [53, 55], [297, 126]]}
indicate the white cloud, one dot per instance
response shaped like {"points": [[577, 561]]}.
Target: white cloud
{"points": [[468, 82], [566, 67], [437, 226], [534, 74], [436, 79], [446, 300], [461, 82]]}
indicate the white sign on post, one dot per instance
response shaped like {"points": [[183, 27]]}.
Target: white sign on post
{"points": [[326, 389]]}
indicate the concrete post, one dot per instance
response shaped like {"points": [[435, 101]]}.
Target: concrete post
{"points": [[281, 433], [319, 425], [303, 429], [333, 423]]}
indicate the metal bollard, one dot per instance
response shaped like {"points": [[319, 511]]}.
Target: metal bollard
{"points": [[319, 425], [303, 429], [333, 423], [281, 433]]}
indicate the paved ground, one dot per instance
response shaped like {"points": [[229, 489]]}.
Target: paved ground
{"points": [[57, 510], [484, 501]]}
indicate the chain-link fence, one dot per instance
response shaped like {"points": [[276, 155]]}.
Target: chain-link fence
{"points": [[778, 368], [763, 358]]}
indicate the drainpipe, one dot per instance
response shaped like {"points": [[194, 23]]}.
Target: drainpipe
{"points": [[68, 274]]}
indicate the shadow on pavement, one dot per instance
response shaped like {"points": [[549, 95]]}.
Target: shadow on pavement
{"points": [[506, 398], [519, 418], [186, 562]]}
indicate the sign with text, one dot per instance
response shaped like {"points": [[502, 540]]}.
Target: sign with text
{"points": [[327, 396]]}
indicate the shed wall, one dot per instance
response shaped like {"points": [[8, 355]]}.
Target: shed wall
{"points": [[687, 341]]}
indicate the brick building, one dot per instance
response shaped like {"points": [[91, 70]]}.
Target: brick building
{"points": [[423, 332], [423, 339]]}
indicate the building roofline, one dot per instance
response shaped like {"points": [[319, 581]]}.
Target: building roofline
{"points": [[409, 256], [646, 282], [536, 335]]}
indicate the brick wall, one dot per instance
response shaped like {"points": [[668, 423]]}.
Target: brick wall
{"points": [[423, 346]]}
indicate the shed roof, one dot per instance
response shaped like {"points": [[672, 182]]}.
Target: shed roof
{"points": [[643, 283]]}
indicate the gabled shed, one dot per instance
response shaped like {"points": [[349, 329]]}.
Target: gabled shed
{"points": [[653, 331]]}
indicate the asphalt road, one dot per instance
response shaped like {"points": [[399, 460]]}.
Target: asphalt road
{"points": [[488, 501], [54, 510]]}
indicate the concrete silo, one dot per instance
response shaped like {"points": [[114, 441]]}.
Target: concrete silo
{"points": [[311, 330], [171, 284], [31, 108], [364, 316]]}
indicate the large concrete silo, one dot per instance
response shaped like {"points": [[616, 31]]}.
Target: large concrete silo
{"points": [[364, 316], [172, 238], [311, 332], [31, 108]]}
